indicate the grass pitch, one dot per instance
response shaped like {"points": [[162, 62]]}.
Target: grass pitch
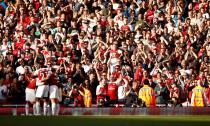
{"points": [[105, 121]]}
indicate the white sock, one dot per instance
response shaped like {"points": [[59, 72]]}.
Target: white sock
{"points": [[27, 109], [34, 109], [54, 108], [45, 108], [48, 110], [57, 109], [38, 109]]}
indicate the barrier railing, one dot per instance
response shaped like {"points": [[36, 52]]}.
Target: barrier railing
{"points": [[20, 110]]}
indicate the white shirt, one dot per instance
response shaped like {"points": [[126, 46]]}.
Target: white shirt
{"points": [[4, 50], [99, 90], [86, 68], [170, 28], [206, 15], [115, 6], [121, 92], [42, 74], [20, 70]]}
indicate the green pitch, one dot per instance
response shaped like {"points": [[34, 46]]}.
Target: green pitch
{"points": [[105, 121]]}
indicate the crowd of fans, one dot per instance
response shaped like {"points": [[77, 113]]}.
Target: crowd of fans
{"points": [[104, 51]]}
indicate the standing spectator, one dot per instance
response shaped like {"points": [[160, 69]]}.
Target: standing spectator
{"points": [[3, 92], [198, 96], [112, 89], [208, 89], [132, 96], [77, 95], [14, 92], [175, 94], [161, 93], [87, 96], [79, 74], [101, 92], [146, 94]]}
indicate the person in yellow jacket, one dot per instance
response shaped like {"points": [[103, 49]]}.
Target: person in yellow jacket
{"points": [[198, 96], [146, 94], [87, 95]]}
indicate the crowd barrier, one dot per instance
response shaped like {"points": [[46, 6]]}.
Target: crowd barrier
{"points": [[117, 111]]}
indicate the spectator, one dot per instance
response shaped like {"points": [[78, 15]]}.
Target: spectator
{"points": [[175, 95], [87, 96], [101, 92], [77, 95], [132, 96], [112, 89], [161, 93], [146, 94], [198, 96], [3, 92]]}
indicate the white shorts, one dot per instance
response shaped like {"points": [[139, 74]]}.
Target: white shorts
{"points": [[30, 95], [42, 91], [54, 93], [60, 94]]}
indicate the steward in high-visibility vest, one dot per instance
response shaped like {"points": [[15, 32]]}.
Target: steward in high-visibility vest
{"points": [[198, 96], [87, 96], [146, 94]]}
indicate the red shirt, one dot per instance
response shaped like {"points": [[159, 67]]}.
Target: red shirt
{"points": [[6, 82], [158, 46], [115, 53], [77, 97], [45, 52], [169, 81], [61, 60], [138, 75], [32, 84], [112, 91], [208, 94], [200, 53], [43, 73], [101, 54], [125, 27], [104, 23], [37, 5], [27, 19], [116, 74], [53, 79], [20, 44]]}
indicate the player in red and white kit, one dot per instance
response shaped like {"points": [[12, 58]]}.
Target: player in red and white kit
{"points": [[54, 92], [42, 91], [30, 95]]}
